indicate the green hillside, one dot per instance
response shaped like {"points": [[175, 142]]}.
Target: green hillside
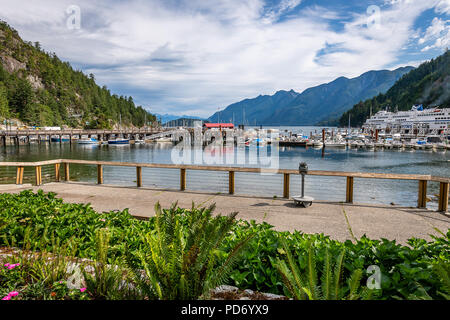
{"points": [[39, 89], [429, 85]]}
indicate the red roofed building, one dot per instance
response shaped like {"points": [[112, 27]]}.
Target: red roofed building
{"points": [[218, 125]]}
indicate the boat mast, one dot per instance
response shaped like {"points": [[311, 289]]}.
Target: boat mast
{"points": [[120, 124]]}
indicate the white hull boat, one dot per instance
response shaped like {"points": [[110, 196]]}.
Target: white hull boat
{"points": [[88, 141]]}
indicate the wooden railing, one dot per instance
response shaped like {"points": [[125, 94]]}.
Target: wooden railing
{"points": [[422, 179]]}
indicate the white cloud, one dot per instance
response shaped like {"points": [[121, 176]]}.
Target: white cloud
{"points": [[438, 33], [443, 6], [283, 7], [195, 56]]}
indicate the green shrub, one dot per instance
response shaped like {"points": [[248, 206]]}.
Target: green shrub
{"points": [[180, 260], [305, 286], [104, 281], [407, 270]]}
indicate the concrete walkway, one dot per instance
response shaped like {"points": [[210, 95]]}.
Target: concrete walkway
{"points": [[338, 220]]}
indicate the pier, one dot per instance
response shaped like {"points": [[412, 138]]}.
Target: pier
{"points": [[17, 136]]}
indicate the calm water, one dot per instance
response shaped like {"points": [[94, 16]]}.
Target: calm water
{"points": [[322, 188]]}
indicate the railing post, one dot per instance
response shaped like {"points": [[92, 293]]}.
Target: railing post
{"points": [[99, 174], [19, 175], [182, 179], [57, 174], [139, 177], [349, 193], [66, 171], [231, 182], [443, 197], [286, 183], [38, 175], [422, 198]]}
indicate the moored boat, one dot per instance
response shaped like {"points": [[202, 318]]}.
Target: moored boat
{"points": [[88, 141], [118, 141]]}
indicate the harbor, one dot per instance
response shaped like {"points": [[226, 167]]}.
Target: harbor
{"points": [[376, 148], [238, 150]]}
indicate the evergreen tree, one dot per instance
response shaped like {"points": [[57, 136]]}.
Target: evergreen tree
{"points": [[4, 107], [67, 96], [22, 96]]}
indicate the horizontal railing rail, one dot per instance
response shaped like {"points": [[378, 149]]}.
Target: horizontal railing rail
{"points": [[422, 179]]}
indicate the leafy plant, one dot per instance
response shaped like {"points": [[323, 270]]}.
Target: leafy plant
{"points": [[103, 281], [180, 261], [305, 286], [35, 217]]}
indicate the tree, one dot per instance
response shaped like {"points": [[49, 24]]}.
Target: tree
{"points": [[22, 96], [39, 115], [4, 106]]}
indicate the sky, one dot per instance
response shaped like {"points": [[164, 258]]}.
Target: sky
{"points": [[196, 57]]}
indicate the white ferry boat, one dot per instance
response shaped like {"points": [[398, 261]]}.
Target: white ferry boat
{"points": [[417, 121]]}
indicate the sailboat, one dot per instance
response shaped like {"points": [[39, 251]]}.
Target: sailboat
{"points": [[119, 141]]}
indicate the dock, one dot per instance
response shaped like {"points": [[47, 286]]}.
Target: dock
{"points": [[15, 137]]}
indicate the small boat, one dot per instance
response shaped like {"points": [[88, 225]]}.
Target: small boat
{"points": [[88, 141], [335, 144], [164, 139], [440, 146], [317, 144], [409, 146], [397, 145], [57, 139], [139, 141], [369, 146], [354, 144], [120, 141], [259, 142], [379, 145]]}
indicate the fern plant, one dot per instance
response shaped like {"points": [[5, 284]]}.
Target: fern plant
{"points": [[180, 258], [104, 281], [306, 286]]}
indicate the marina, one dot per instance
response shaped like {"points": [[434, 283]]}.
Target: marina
{"points": [[376, 147], [222, 151]]}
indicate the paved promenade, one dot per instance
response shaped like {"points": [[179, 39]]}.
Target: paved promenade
{"points": [[338, 220]]}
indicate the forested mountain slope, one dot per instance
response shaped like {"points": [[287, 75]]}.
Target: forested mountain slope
{"points": [[39, 89], [429, 85]]}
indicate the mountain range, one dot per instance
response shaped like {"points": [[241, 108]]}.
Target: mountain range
{"points": [[318, 105], [164, 118]]}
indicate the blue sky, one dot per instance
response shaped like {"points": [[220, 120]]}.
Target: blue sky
{"points": [[197, 56]]}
